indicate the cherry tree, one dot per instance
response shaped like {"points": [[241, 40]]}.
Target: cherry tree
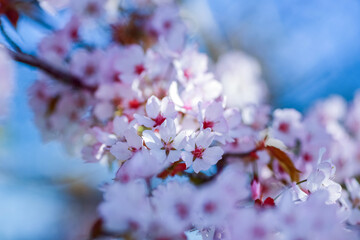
{"points": [[196, 146]]}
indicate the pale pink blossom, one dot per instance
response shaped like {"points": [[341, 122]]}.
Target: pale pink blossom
{"points": [[198, 152], [167, 144], [212, 117], [157, 111]]}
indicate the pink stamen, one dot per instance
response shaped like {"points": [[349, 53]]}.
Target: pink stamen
{"points": [[182, 210], [134, 104], [307, 157], [209, 207], [139, 69], [159, 120], [167, 25], [284, 127], [187, 74], [208, 124], [198, 152]]}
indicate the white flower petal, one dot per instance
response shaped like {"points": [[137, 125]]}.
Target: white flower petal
{"points": [[167, 130], [174, 156], [160, 155], [168, 108], [212, 155], [204, 138], [120, 125], [214, 111], [187, 157], [200, 165], [180, 140], [151, 140], [133, 139], [153, 107], [142, 120], [120, 151]]}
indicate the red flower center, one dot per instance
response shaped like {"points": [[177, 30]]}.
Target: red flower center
{"points": [[284, 127], [167, 25], [90, 70], [159, 120], [209, 207], [139, 69], [116, 77], [307, 157], [134, 104], [198, 152], [182, 210], [208, 124], [187, 74], [92, 9]]}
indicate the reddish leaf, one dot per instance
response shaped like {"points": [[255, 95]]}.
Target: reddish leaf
{"points": [[175, 168], [269, 202], [180, 167], [285, 162], [258, 203], [97, 229], [8, 9], [13, 16]]}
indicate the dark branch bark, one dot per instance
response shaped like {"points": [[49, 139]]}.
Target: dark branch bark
{"points": [[8, 38], [56, 73]]}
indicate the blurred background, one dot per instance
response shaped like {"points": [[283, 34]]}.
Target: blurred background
{"points": [[307, 50]]}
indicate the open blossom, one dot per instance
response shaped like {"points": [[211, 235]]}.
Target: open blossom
{"points": [[321, 179], [88, 9], [174, 208], [142, 165], [190, 97], [130, 66], [167, 144], [191, 67], [117, 97], [86, 66], [168, 28], [199, 153], [295, 222], [157, 111], [132, 197], [212, 117], [251, 225], [124, 150], [352, 201], [240, 76], [287, 126]]}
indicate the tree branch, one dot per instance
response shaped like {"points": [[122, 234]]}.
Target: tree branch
{"points": [[8, 38], [56, 73]]}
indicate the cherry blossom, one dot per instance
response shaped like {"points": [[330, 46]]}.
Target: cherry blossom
{"points": [[321, 177], [157, 112], [212, 117], [199, 153], [166, 145]]}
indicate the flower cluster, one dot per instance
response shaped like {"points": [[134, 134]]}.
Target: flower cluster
{"points": [[196, 148]]}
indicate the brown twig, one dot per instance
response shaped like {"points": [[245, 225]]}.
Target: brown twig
{"points": [[57, 73], [8, 38]]}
